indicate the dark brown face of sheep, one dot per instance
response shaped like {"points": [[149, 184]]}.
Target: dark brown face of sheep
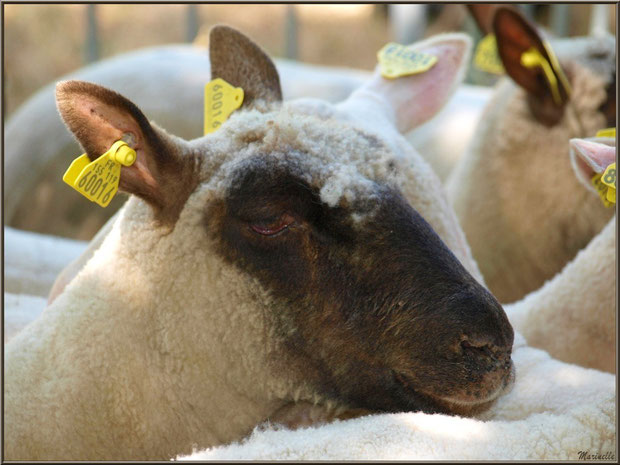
{"points": [[375, 312], [378, 313]]}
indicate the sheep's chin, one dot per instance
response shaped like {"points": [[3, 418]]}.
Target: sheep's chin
{"points": [[469, 407], [303, 414]]}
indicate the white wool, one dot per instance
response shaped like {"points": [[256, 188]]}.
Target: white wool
{"points": [[554, 411], [572, 316]]}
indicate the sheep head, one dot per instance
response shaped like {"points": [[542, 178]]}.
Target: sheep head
{"points": [[293, 253]]}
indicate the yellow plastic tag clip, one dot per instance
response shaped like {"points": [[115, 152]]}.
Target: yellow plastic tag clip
{"points": [[608, 132], [221, 99], [487, 58], [98, 180], [397, 60]]}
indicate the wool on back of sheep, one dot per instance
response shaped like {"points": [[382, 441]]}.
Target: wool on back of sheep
{"points": [[572, 316]]}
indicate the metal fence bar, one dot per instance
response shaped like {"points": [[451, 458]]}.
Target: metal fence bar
{"points": [[599, 18], [92, 34], [290, 27], [191, 23], [407, 21], [560, 19]]}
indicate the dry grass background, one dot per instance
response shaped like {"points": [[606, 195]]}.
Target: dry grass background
{"points": [[43, 42]]}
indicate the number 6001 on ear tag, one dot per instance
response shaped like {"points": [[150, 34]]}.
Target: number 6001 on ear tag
{"points": [[221, 99]]}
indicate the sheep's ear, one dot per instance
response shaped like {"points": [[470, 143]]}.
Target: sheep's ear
{"points": [[98, 117], [515, 35], [412, 100], [242, 63], [590, 157]]}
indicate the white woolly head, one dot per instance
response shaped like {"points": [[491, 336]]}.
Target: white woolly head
{"points": [[302, 247]]}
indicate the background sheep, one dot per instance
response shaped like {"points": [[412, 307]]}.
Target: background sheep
{"points": [[572, 316], [514, 190], [197, 317]]}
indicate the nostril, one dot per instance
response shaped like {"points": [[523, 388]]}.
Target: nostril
{"points": [[482, 349]]}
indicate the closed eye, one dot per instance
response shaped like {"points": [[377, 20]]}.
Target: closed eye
{"points": [[272, 227]]}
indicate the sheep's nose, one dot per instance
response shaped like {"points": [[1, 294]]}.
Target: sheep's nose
{"points": [[480, 324], [483, 348]]}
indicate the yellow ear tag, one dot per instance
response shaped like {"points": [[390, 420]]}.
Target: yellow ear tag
{"points": [[397, 60], [533, 57], [98, 180], [486, 57], [555, 64], [601, 189], [609, 132], [609, 179], [221, 99]]}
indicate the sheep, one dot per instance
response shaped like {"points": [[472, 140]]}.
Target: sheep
{"points": [[513, 190], [34, 161], [572, 316], [278, 260]]}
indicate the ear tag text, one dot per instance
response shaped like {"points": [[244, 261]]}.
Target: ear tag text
{"points": [[605, 185], [609, 179], [487, 58], [608, 132], [397, 60], [98, 180], [533, 57], [221, 99]]}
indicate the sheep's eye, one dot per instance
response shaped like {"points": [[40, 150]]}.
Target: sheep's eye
{"points": [[272, 226]]}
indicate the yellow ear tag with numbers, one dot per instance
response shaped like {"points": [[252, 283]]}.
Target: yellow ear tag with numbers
{"points": [[609, 179], [609, 132], [397, 60], [487, 58], [98, 180], [221, 99], [605, 185]]}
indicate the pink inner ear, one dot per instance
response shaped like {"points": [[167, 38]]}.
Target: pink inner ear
{"points": [[595, 155], [417, 98], [589, 158], [105, 123]]}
